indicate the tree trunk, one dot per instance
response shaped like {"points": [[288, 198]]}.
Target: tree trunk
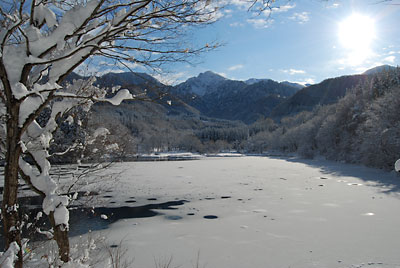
{"points": [[60, 233], [61, 237], [12, 231]]}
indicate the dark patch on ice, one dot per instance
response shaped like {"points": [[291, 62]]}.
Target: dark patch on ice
{"points": [[130, 201], [321, 185], [152, 199], [83, 219], [240, 199], [109, 191], [113, 246], [283, 179], [209, 198], [258, 189], [210, 217], [323, 178], [112, 202], [132, 197], [225, 196], [190, 214], [173, 217], [108, 196]]}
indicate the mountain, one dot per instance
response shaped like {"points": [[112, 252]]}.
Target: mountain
{"points": [[213, 96], [379, 69], [253, 81], [326, 92], [295, 85], [203, 84], [218, 97], [127, 79]]}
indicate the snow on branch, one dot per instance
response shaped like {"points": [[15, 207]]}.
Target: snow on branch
{"points": [[121, 95], [8, 258]]}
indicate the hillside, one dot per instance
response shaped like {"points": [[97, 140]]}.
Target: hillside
{"points": [[210, 113], [218, 97], [327, 92]]}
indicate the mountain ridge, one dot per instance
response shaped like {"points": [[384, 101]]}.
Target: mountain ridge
{"points": [[214, 96]]}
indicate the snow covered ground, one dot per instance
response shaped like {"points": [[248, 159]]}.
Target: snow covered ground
{"points": [[271, 212]]}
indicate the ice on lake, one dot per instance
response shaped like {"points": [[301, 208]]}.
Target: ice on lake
{"points": [[258, 212]]}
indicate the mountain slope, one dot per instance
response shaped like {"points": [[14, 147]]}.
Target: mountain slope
{"points": [[379, 69], [326, 92], [203, 84], [218, 97]]}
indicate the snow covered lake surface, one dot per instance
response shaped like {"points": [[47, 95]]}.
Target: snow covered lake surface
{"points": [[269, 212]]}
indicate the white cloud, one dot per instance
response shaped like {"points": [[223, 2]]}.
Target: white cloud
{"points": [[284, 8], [389, 59], [281, 9], [334, 5], [305, 81], [301, 18], [236, 24], [235, 67], [260, 23], [238, 3], [228, 11], [294, 71]]}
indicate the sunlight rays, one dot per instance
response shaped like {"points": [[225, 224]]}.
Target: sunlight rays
{"points": [[356, 34]]}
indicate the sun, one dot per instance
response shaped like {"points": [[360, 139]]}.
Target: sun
{"points": [[356, 34], [357, 31]]}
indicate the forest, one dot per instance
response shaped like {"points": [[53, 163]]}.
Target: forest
{"points": [[362, 127]]}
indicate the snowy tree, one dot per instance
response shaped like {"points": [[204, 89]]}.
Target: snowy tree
{"points": [[41, 43]]}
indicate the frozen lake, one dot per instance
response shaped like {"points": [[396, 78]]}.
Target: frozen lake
{"points": [[258, 212]]}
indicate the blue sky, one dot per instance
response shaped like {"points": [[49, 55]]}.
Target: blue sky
{"points": [[300, 42]]}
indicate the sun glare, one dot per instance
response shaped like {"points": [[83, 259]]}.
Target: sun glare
{"points": [[356, 34]]}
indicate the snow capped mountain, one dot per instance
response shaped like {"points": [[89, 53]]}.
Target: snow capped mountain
{"points": [[252, 81], [218, 97], [203, 84], [295, 85], [379, 69]]}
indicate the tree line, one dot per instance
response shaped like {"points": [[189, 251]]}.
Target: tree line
{"points": [[362, 127]]}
